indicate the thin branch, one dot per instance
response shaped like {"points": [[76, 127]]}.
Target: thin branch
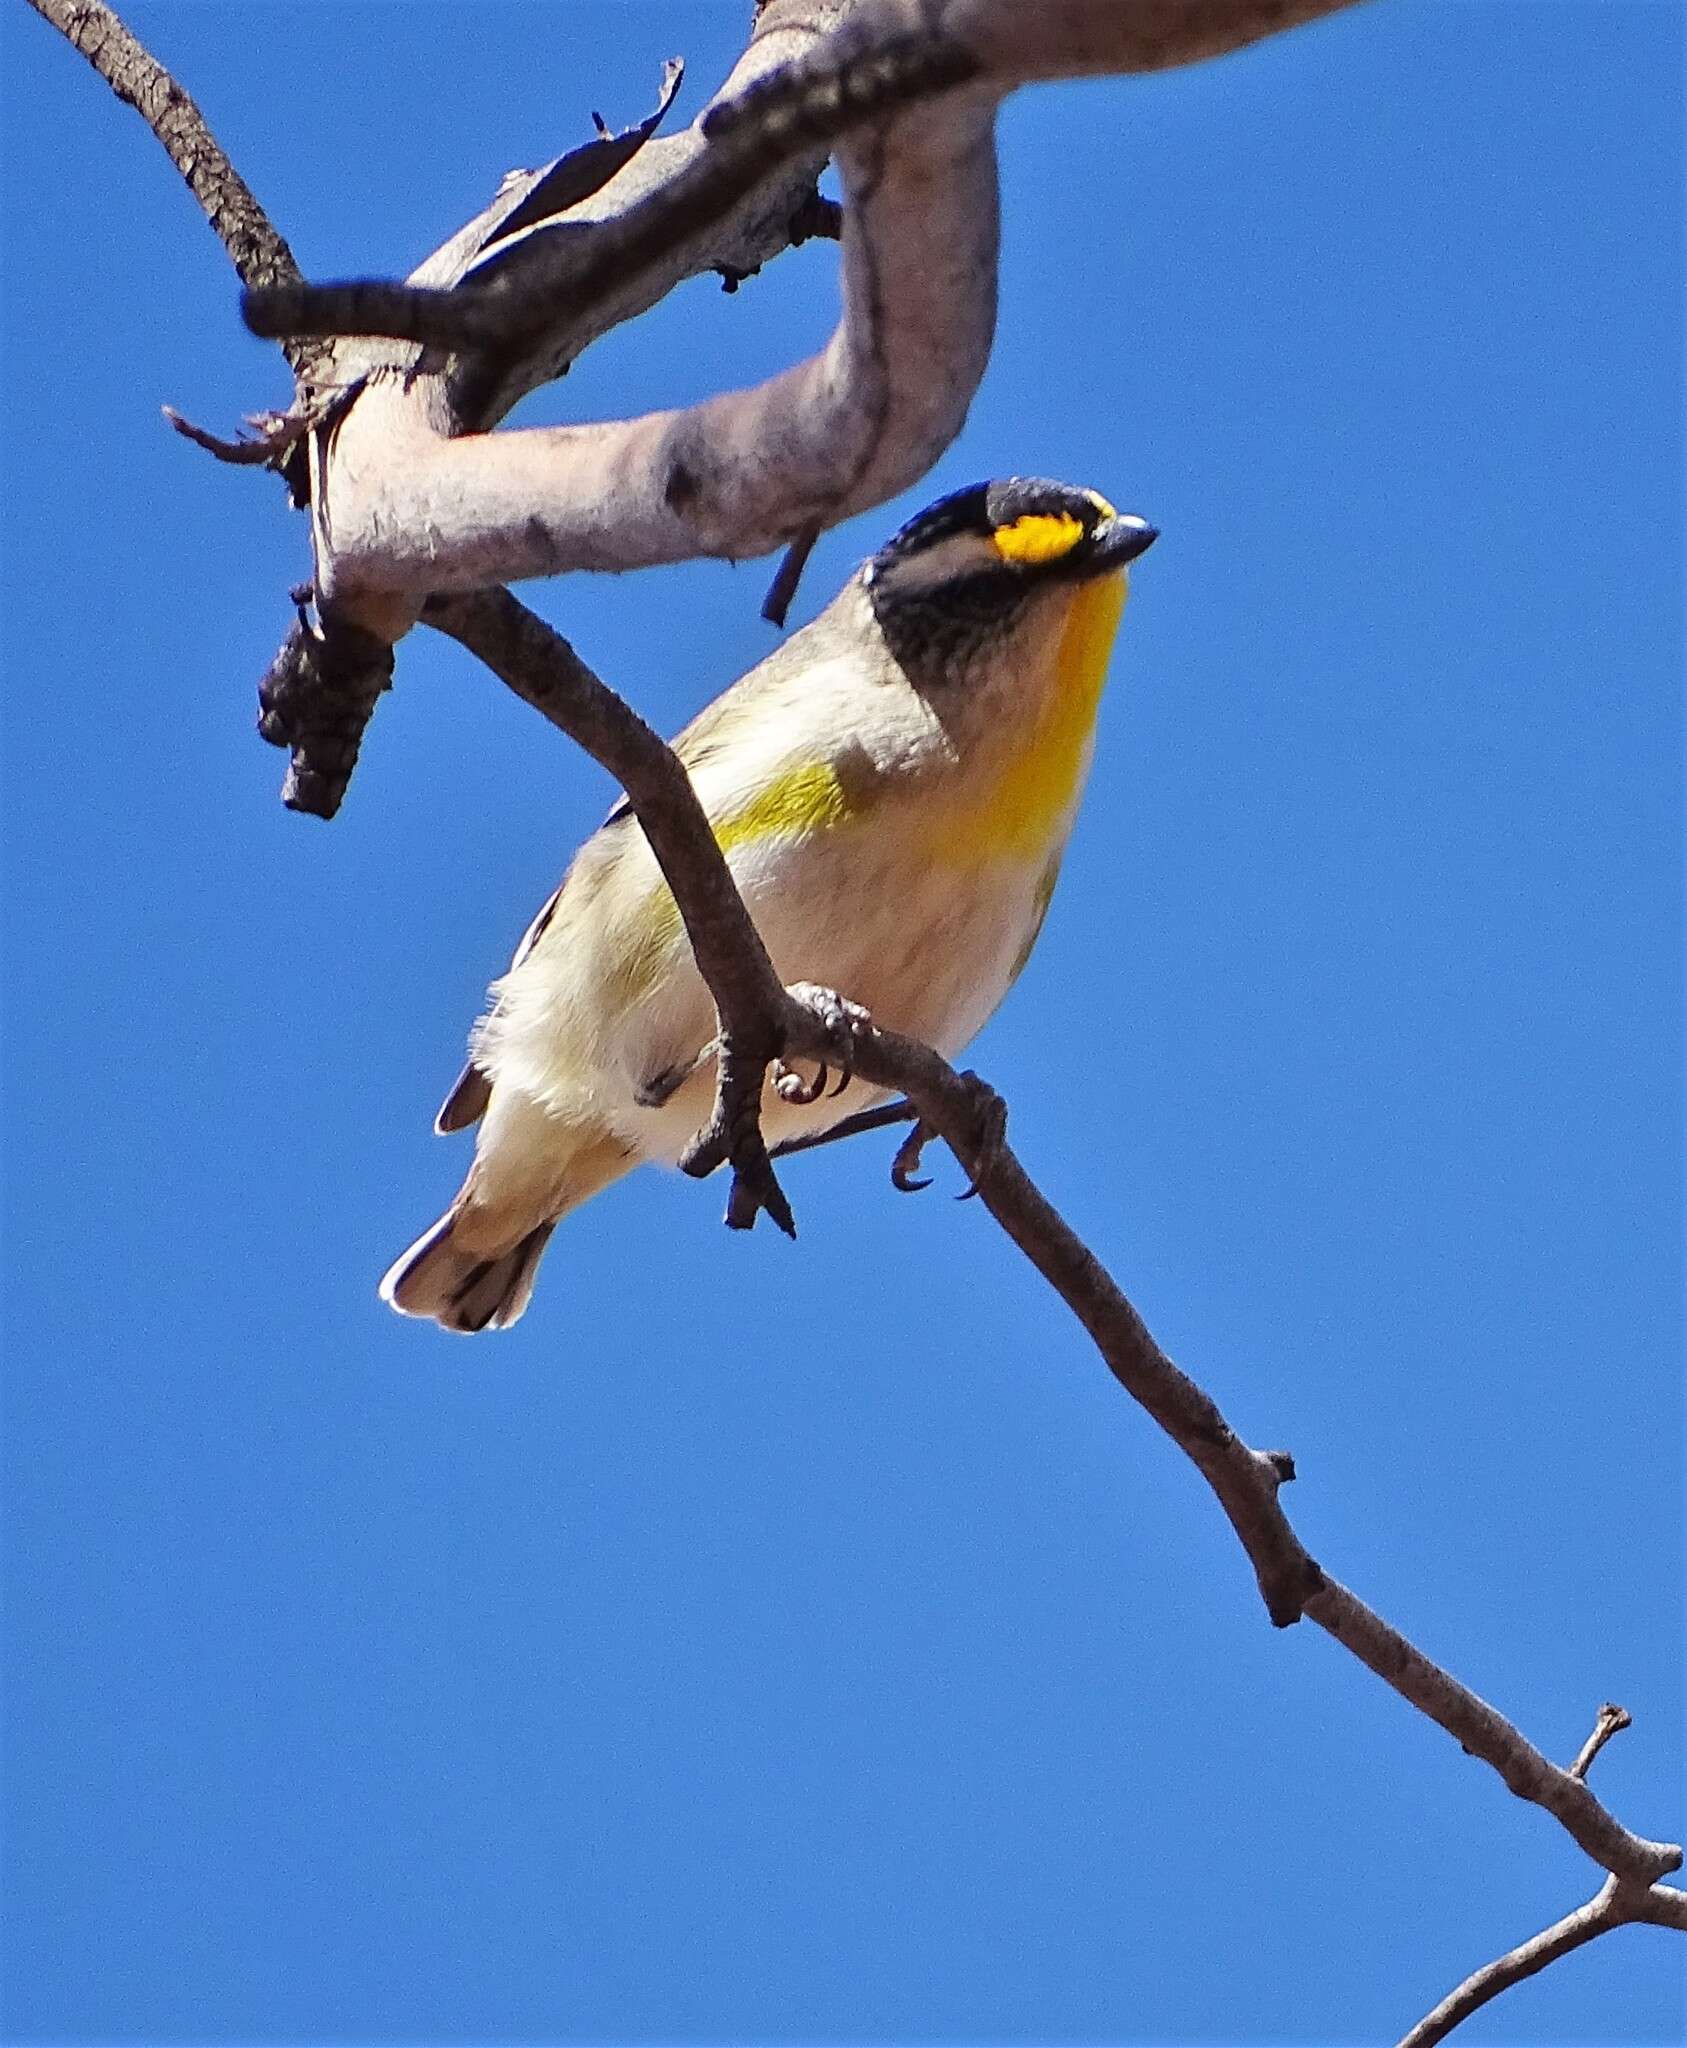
{"points": [[798, 110], [772, 1023], [1616, 1904], [544, 671], [255, 247]]}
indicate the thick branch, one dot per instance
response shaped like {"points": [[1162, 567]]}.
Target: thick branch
{"points": [[323, 684], [906, 90], [880, 56], [410, 506], [761, 1022]]}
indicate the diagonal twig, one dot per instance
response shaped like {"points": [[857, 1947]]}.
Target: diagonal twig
{"points": [[881, 1118], [544, 670]]}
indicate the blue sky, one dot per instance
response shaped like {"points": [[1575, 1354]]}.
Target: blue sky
{"points": [[810, 1643]]}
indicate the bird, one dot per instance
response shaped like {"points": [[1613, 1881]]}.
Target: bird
{"points": [[893, 789]]}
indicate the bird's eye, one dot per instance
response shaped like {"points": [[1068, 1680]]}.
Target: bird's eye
{"points": [[1038, 537]]}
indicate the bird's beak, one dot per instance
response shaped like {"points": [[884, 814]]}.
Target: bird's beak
{"points": [[1119, 540]]}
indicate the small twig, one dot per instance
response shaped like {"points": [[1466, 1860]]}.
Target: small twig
{"points": [[278, 434], [1616, 1904], [315, 699], [1612, 1721], [777, 603], [585, 169], [816, 219]]}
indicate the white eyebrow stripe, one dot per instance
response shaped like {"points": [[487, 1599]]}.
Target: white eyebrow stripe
{"points": [[960, 554]]}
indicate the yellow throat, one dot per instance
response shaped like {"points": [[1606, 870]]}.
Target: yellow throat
{"points": [[1017, 817]]}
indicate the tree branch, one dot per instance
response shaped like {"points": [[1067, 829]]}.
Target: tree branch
{"points": [[411, 497], [1612, 1720], [420, 502], [1616, 1904], [761, 1022], [906, 90], [256, 248]]}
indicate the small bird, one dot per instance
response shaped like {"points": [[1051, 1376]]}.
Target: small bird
{"points": [[893, 789]]}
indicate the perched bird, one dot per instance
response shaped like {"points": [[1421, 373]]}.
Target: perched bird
{"points": [[892, 788]]}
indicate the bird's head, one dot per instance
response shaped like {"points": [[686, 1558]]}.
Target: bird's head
{"points": [[982, 561]]}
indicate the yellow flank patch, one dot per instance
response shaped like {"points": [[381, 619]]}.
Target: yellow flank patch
{"points": [[1038, 537], [1017, 818], [800, 801]]}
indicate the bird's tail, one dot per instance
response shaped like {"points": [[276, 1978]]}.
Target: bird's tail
{"points": [[474, 1269]]}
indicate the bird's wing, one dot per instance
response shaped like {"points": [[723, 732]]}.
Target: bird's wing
{"points": [[472, 1090], [754, 699]]}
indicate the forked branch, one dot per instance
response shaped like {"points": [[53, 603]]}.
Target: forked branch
{"points": [[1619, 1902]]}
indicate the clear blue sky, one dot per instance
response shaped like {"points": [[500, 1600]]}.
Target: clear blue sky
{"points": [[810, 1643]]}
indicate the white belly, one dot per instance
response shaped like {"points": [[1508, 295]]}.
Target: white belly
{"points": [[928, 947], [929, 951]]}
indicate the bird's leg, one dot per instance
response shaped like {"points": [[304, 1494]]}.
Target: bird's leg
{"points": [[661, 1088]]}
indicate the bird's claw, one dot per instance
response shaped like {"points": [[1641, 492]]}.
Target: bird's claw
{"points": [[790, 1086], [907, 1161], [841, 1021], [990, 1123]]}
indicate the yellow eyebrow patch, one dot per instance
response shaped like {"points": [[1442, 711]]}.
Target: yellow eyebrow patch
{"points": [[1038, 537]]}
